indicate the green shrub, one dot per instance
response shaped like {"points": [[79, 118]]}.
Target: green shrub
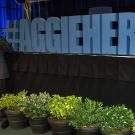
{"points": [[85, 114], [59, 106], [36, 106], [116, 119], [134, 126], [12, 102]]}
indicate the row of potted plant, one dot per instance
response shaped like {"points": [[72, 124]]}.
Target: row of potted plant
{"points": [[133, 127], [66, 115]]}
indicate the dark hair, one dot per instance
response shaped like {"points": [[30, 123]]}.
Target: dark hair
{"points": [[20, 1]]}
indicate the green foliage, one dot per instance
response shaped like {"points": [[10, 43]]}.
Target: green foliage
{"points": [[36, 106], [12, 102], [134, 126], [116, 119], [85, 114], [59, 106]]}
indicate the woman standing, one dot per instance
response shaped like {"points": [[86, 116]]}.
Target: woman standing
{"points": [[4, 47], [26, 8], [3, 71]]}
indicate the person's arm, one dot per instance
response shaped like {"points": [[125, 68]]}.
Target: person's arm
{"points": [[4, 45]]}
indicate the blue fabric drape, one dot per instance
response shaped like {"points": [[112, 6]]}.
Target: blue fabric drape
{"points": [[9, 10]]}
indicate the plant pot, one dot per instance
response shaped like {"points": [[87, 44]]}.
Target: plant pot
{"points": [[17, 119], [2, 114], [88, 131], [60, 127], [39, 125], [122, 133]]}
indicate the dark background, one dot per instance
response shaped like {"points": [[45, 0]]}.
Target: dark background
{"points": [[104, 78], [78, 7]]}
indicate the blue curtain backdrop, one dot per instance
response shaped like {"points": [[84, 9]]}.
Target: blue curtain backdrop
{"points": [[9, 10]]}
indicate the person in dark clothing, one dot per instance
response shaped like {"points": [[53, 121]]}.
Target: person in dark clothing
{"points": [[3, 71], [4, 47]]}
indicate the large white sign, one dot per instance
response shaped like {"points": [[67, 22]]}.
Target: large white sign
{"points": [[87, 34]]}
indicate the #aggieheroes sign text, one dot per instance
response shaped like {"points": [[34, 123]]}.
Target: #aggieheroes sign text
{"points": [[88, 34]]}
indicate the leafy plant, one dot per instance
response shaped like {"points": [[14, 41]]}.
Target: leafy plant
{"points": [[36, 106], [85, 114], [116, 119], [134, 126], [59, 106], [12, 102]]}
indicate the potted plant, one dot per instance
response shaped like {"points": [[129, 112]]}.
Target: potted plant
{"points": [[3, 119], [116, 119], [59, 113], [84, 117], [134, 127], [35, 107], [12, 105]]}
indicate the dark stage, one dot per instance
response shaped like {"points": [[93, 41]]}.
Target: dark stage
{"points": [[107, 79]]}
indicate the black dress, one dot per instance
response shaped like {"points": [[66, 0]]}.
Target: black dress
{"points": [[4, 47]]}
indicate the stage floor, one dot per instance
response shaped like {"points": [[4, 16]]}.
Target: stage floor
{"points": [[26, 131]]}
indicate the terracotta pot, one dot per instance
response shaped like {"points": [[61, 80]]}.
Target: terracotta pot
{"points": [[122, 133], [88, 131], [60, 127], [17, 119], [2, 114], [39, 125]]}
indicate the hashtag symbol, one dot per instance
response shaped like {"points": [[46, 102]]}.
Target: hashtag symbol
{"points": [[12, 34]]}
